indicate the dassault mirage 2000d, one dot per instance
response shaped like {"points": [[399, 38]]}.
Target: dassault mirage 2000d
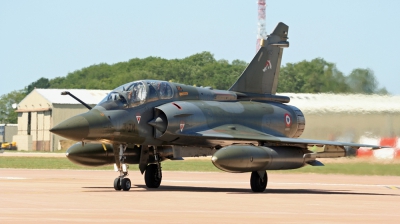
{"points": [[248, 128]]}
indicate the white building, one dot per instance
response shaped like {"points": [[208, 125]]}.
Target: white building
{"points": [[348, 117], [41, 109], [7, 131]]}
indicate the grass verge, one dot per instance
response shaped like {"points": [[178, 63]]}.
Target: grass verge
{"points": [[350, 168]]}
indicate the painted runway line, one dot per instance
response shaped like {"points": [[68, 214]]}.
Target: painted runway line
{"points": [[393, 187], [13, 178]]}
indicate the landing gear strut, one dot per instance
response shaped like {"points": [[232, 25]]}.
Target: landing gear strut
{"points": [[258, 181], [153, 174], [121, 182]]}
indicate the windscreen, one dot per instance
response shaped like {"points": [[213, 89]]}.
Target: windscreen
{"points": [[127, 95], [137, 93]]}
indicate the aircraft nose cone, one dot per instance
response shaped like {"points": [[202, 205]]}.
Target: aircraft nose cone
{"points": [[75, 128]]}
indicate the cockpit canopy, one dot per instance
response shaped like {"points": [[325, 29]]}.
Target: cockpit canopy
{"points": [[137, 93]]}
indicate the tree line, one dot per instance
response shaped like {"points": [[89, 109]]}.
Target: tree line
{"points": [[202, 69]]}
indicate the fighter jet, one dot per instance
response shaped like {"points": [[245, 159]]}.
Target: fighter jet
{"points": [[247, 128]]}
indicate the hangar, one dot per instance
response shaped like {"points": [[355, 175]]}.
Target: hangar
{"points": [[42, 109], [348, 117]]}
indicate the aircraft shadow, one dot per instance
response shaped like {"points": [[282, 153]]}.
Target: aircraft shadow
{"points": [[168, 188], [98, 187], [267, 191]]}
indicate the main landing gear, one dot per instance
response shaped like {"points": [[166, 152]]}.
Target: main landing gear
{"points": [[121, 183], [258, 181], [153, 174]]}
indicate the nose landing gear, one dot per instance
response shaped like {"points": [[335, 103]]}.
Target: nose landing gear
{"points": [[121, 183], [152, 175]]}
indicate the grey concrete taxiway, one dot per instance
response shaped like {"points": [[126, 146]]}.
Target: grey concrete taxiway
{"points": [[66, 196]]}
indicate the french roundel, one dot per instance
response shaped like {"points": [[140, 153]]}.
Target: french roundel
{"points": [[288, 120]]}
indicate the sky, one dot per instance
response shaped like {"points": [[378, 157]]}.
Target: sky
{"points": [[53, 38]]}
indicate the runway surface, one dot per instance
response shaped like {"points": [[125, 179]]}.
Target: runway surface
{"points": [[66, 196]]}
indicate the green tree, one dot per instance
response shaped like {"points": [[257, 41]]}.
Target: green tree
{"points": [[315, 76], [7, 112], [200, 59], [199, 69], [239, 62], [42, 83], [57, 82], [364, 81]]}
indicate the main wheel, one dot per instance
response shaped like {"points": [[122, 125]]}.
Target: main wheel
{"points": [[117, 184], [126, 184], [256, 183], [151, 177]]}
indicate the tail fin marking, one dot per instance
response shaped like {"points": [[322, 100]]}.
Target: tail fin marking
{"points": [[261, 75]]}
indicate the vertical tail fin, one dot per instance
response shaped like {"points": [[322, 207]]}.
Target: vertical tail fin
{"points": [[261, 75]]}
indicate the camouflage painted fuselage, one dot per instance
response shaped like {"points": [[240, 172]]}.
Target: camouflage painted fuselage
{"points": [[189, 113]]}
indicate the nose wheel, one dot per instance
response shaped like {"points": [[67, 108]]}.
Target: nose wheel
{"points": [[126, 184], [117, 184], [121, 183]]}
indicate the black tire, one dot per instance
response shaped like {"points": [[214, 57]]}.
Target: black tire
{"points": [[126, 184], [117, 184], [151, 176], [256, 183]]}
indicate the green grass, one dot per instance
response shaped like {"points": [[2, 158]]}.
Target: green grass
{"points": [[38, 152], [354, 168], [63, 163], [43, 163], [349, 168]]}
